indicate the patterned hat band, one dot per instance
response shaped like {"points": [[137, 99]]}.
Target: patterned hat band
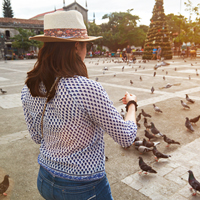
{"points": [[67, 33]]}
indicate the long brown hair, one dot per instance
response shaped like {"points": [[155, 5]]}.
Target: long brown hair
{"points": [[55, 59]]}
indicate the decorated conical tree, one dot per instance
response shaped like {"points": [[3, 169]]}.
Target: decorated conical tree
{"points": [[158, 33]]}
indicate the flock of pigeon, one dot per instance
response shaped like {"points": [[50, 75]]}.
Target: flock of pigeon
{"points": [[151, 132]]}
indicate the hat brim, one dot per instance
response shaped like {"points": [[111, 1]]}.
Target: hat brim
{"points": [[43, 38]]}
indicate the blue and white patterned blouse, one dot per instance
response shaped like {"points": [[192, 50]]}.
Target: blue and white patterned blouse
{"points": [[74, 123]]}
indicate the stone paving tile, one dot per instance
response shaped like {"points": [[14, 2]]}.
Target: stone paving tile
{"points": [[177, 196], [10, 101], [13, 137]]}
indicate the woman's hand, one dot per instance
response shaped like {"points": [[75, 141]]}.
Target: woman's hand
{"points": [[128, 97]]}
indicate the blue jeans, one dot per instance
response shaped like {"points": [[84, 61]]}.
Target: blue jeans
{"points": [[54, 188]]}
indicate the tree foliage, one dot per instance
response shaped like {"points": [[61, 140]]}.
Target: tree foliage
{"points": [[21, 41], [121, 30], [7, 9]]}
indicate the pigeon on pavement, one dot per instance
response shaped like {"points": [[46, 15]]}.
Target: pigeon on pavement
{"points": [[154, 130], [152, 90], [154, 74], [193, 182], [149, 135], [138, 117], [143, 149], [157, 109], [169, 141], [140, 78], [146, 123], [131, 82], [4, 185], [188, 99], [149, 143], [189, 125], [195, 120], [3, 91], [145, 167], [184, 105], [159, 154], [145, 114], [122, 113]]}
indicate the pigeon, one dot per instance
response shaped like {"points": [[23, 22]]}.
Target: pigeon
{"points": [[97, 79], [152, 90], [143, 149], [149, 144], [145, 167], [138, 117], [184, 105], [157, 66], [188, 125], [3, 91], [4, 185], [149, 135], [169, 141], [175, 69], [195, 120], [106, 158], [115, 75], [157, 109], [163, 77], [146, 123], [123, 68], [138, 143], [166, 72], [154, 130], [154, 74], [105, 68], [193, 182], [159, 154], [188, 99], [131, 82], [170, 85], [138, 124], [145, 114], [140, 78], [122, 113]]}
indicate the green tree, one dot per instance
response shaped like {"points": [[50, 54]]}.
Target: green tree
{"points": [[121, 30], [21, 40], [7, 9]]}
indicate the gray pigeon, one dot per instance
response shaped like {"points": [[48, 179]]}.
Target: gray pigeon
{"points": [[149, 143], [189, 125], [195, 120], [157, 109], [169, 141], [152, 90], [154, 130], [159, 155], [145, 167], [122, 113], [146, 123], [4, 185], [138, 117], [184, 105], [143, 149], [149, 135], [193, 182], [145, 114], [188, 99]]}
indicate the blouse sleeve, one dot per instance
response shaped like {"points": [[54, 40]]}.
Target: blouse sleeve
{"points": [[33, 119], [102, 112]]}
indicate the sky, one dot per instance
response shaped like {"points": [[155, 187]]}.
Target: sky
{"points": [[26, 9]]}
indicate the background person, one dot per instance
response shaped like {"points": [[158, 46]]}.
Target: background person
{"points": [[154, 53], [77, 114], [128, 53], [159, 51]]}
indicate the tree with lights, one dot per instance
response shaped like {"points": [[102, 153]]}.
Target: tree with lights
{"points": [[158, 33]]}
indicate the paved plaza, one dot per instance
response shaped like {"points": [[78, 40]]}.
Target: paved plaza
{"points": [[18, 153]]}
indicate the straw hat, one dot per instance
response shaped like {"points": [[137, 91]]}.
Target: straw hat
{"points": [[64, 26]]}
